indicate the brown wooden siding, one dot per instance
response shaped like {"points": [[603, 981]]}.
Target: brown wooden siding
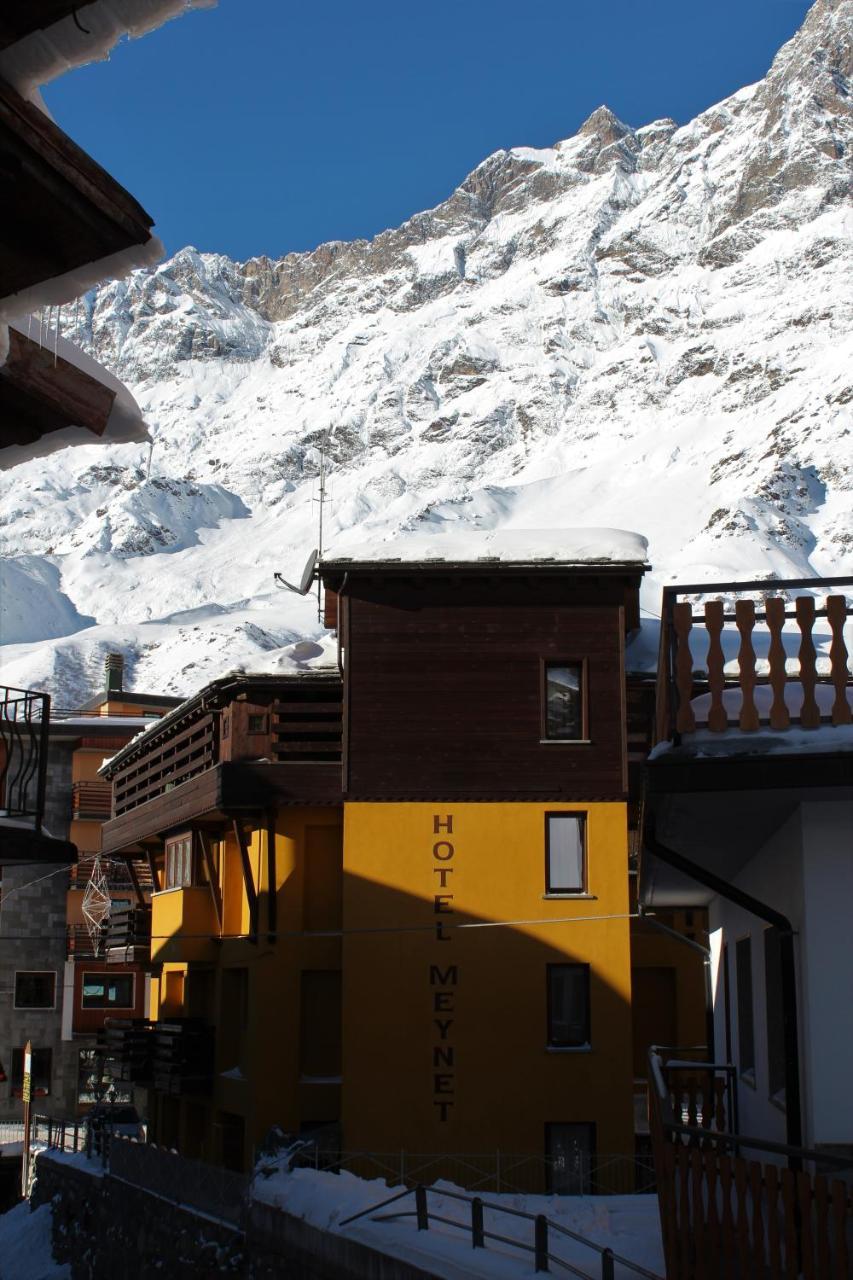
{"points": [[444, 689]]}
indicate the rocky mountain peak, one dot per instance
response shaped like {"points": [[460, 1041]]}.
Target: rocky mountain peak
{"points": [[643, 328]]}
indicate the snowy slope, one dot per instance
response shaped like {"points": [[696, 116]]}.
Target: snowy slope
{"points": [[645, 328]]}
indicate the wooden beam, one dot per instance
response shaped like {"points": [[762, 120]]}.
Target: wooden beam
{"points": [[251, 891], [155, 879], [215, 893], [272, 897]]}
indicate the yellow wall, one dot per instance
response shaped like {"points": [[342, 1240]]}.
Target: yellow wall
{"points": [[504, 1084]]}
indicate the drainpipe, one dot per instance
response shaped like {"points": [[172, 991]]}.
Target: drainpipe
{"points": [[705, 953], [793, 1119]]}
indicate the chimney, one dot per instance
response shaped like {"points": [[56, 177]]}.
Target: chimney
{"points": [[113, 673]]}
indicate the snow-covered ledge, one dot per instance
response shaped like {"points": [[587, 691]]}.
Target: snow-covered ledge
{"points": [[45, 54], [73, 284]]}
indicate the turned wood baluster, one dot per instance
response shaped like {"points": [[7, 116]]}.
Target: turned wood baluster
{"points": [[682, 621], [810, 713], [775, 609], [720, 1098], [717, 718], [745, 622], [836, 612]]}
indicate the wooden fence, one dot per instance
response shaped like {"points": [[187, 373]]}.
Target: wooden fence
{"points": [[725, 1216]]}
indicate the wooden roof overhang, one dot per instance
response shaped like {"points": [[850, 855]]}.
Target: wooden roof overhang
{"points": [[717, 813], [17, 21], [217, 796], [40, 393], [61, 210]]}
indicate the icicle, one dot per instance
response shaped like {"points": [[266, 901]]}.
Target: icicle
{"points": [[56, 336]]}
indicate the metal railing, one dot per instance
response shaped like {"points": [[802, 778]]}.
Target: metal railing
{"points": [[190, 1184], [24, 729], [543, 1229], [498, 1172]]}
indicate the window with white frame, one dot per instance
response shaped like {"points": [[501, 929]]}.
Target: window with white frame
{"points": [[565, 853]]}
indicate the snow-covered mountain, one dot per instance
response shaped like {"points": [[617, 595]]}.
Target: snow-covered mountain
{"points": [[647, 328]]}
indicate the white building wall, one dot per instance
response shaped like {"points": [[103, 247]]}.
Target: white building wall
{"points": [[775, 877], [827, 937]]}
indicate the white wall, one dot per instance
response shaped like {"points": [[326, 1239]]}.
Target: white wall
{"points": [[827, 949], [775, 877]]}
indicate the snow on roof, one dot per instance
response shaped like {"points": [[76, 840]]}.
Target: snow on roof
{"points": [[73, 284], [451, 545], [49, 52], [124, 425]]}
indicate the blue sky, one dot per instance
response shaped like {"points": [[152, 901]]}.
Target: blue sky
{"points": [[267, 126]]}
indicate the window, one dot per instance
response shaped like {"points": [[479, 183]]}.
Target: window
{"points": [[775, 1015], [565, 852], [563, 702], [95, 1082], [107, 991], [745, 1029], [257, 723], [179, 862], [568, 1006], [39, 1068], [570, 1156], [35, 990]]}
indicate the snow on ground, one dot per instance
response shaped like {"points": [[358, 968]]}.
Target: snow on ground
{"points": [[629, 1225], [25, 1252]]}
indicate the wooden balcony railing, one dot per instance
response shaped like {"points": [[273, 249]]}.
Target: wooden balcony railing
{"points": [[170, 761], [174, 1056], [91, 800], [308, 729], [780, 680], [128, 939], [726, 1214], [24, 729], [119, 880]]}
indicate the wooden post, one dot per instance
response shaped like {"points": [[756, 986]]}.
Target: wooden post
{"points": [[210, 869], [718, 719], [251, 891], [272, 880], [836, 612], [745, 622], [421, 1207], [608, 1265], [478, 1239], [540, 1242], [809, 713], [682, 621], [774, 607]]}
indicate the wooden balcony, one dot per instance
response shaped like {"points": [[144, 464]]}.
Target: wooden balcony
{"points": [[128, 939], [173, 759], [91, 800], [748, 665]]}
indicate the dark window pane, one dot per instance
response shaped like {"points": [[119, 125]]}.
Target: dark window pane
{"points": [[566, 864], [257, 723], [35, 990], [563, 700], [568, 1005], [107, 991], [775, 1014], [746, 1038], [39, 1068], [570, 1153]]}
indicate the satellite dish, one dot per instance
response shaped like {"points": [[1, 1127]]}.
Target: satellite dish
{"points": [[308, 573], [307, 576]]}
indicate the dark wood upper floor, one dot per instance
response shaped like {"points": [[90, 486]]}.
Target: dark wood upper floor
{"points": [[451, 677]]}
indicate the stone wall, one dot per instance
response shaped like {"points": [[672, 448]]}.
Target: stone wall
{"points": [[105, 1228], [35, 918]]}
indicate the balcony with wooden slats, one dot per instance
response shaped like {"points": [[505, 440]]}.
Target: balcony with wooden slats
{"points": [[91, 800], [171, 760], [736, 665]]}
